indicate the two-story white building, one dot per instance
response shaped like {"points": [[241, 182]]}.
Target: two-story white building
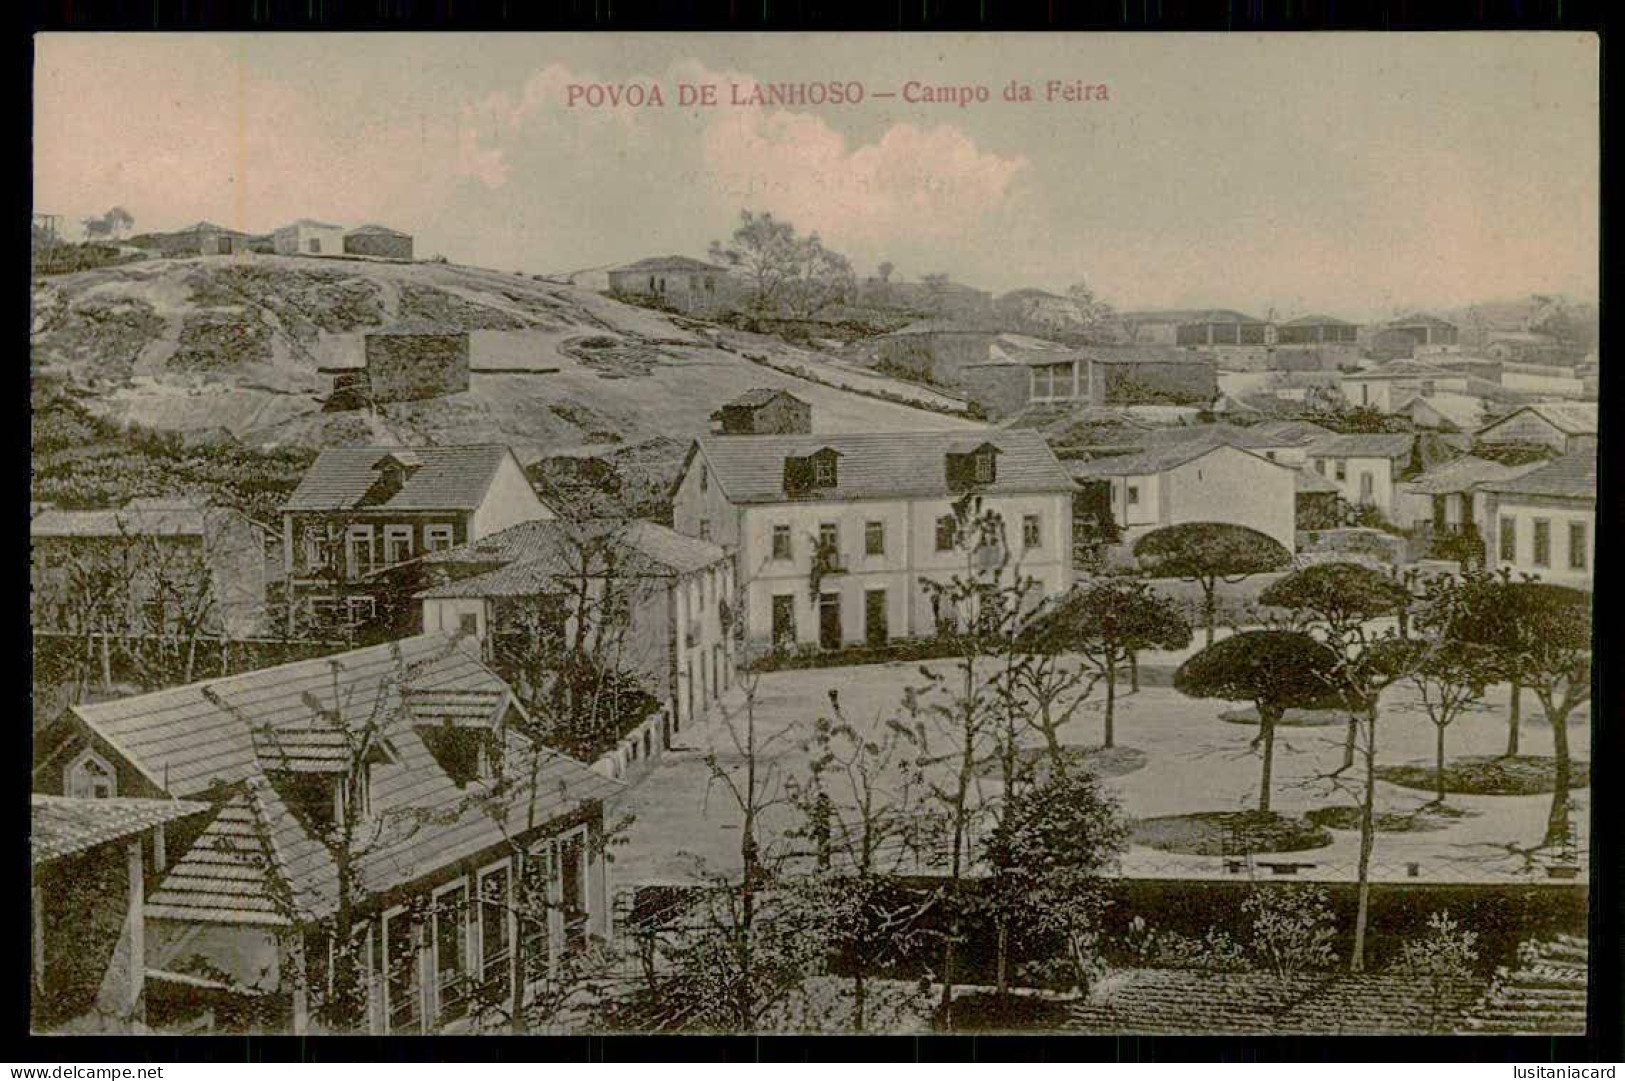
{"points": [[1545, 521], [1367, 467], [1197, 482], [833, 536]]}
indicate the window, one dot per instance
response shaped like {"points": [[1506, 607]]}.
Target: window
{"points": [[829, 538], [1131, 495], [90, 777], [824, 471], [315, 246], [1577, 546], [705, 529], [1320, 466], [984, 468], [1342, 470], [1543, 542], [533, 903], [784, 620], [573, 897], [358, 546], [705, 479], [451, 954], [397, 544], [1031, 532], [468, 624], [436, 538], [496, 943], [1367, 487], [1509, 539], [946, 529], [1051, 381], [874, 617], [781, 542], [401, 967], [874, 538]]}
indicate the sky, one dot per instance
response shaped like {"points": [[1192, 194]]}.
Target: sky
{"points": [[1339, 173]]}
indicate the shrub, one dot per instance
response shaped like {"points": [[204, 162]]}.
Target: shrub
{"points": [[1292, 929]]}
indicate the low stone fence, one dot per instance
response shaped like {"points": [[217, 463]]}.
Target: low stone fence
{"points": [[638, 750]]}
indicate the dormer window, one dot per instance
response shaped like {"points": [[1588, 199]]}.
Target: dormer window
{"points": [[89, 776], [464, 753], [816, 470], [984, 467], [824, 471], [972, 466]]}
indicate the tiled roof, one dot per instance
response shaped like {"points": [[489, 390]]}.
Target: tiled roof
{"points": [[450, 478], [750, 469], [1464, 473], [1294, 432], [1166, 1001], [186, 739], [1232, 434], [1462, 410], [311, 223], [1317, 321], [1364, 445], [759, 396], [138, 518], [1570, 418], [534, 557], [1571, 477], [670, 262], [1313, 482], [232, 873], [371, 229], [1187, 315], [1152, 460], [60, 826], [1545, 995]]}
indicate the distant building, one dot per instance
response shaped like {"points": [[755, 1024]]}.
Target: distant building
{"points": [[410, 362], [1546, 521], [1035, 307], [764, 411], [175, 560], [833, 535], [1444, 412], [676, 590], [1446, 499], [1316, 330], [307, 237], [1197, 482], [1367, 468], [1196, 327], [937, 350], [1566, 427], [1388, 386], [677, 281], [1526, 347], [1099, 375], [361, 510], [1425, 330], [378, 240], [203, 238]]}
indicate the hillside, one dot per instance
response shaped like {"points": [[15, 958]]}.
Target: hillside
{"points": [[233, 345]]}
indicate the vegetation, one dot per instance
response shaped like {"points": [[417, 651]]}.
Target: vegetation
{"points": [[1207, 553], [788, 273]]}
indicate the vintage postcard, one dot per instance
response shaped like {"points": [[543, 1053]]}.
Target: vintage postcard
{"points": [[797, 534]]}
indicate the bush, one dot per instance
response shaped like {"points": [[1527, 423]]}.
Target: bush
{"points": [[812, 656], [1292, 929]]}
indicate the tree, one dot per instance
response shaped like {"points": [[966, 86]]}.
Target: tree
{"points": [[1107, 621], [1552, 649], [1274, 670], [1442, 955], [884, 270], [112, 224], [1208, 552], [1047, 859], [1343, 598], [862, 810], [1092, 311], [787, 272]]}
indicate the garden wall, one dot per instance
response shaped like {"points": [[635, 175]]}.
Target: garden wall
{"points": [[638, 751]]}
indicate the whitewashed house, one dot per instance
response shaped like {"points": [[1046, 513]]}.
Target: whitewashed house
{"points": [[833, 535], [1388, 386], [1197, 482], [307, 237], [1368, 467], [1566, 427], [1546, 521]]}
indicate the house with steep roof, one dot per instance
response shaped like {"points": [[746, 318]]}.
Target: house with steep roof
{"points": [[764, 411], [1367, 467], [308, 237], [378, 241], [93, 861], [1545, 521], [1197, 480], [1566, 427], [394, 785], [154, 566], [360, 510], [675, 592], [678, 281], [833, 535]]}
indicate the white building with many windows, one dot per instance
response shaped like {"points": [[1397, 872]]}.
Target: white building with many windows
{"points": [[1545, 522], [833, 536]]}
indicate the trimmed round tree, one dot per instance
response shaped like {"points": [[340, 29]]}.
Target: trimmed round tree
{"points": [[1207, 553], [1274, 670], [1343, 596]]}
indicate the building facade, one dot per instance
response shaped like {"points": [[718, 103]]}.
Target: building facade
{"points": [[307, 237], [764, 411], [1197, 482], [833, 536], [676, 281], [378, 241], [1545, 521], [1566, 427]]}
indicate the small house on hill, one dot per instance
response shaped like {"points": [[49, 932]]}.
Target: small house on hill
{"points": [[379, 241], [675, 280], [764, 411], [308, 237]]}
